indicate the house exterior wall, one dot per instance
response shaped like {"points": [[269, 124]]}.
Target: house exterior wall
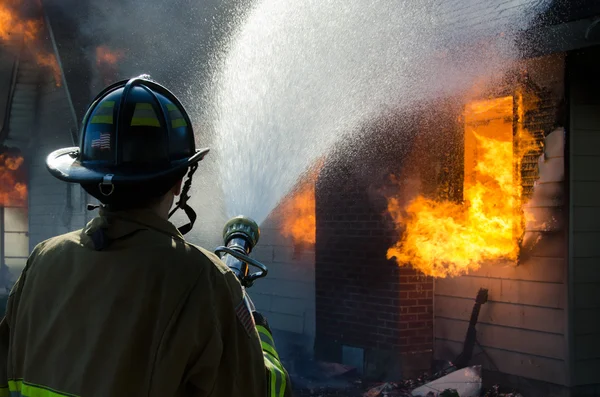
{"points": [[55, 207], [287, 295], [7, 63], [584, 160], [40, 121], [522, 328]]}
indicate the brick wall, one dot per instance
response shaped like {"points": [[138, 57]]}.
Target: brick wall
{"points": [[366, 305]]}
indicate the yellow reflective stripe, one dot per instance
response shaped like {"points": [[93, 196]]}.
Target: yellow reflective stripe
{"points": [[102, 120], [267, 343], [104, 113], [144, 115], [4, 392], [107, 104], [275, 374], [265, 335], [273, 387], [178, 123], [145, 121], [269, 349], [283, 384], [19, 388]]}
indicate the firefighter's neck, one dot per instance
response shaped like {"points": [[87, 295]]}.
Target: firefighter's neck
{"points": [[163, 207]]}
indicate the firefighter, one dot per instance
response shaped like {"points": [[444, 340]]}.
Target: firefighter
{"points": [[126, 306]]}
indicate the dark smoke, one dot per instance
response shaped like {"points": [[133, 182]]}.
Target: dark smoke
{"points": [[173, 41]]}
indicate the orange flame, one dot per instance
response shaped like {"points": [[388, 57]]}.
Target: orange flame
{"points": [[444, 238], [299, 220], [106, 56], [106, 62], [13, 188], [13, 26], [49, 61]]}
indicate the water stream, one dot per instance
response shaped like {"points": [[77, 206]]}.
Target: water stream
{"points": [[298, 76]]}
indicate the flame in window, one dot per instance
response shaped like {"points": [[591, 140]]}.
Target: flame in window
{"points": [[13, 185], [445, 238]]}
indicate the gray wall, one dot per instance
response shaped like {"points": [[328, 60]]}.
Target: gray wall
{"points": [[287, 295], [585, 215]]}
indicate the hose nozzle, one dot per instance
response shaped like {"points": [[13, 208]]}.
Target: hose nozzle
{"points": [[241, 227], [240, 236]]}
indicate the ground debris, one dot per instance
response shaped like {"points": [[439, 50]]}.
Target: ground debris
{"points": [[343, 381], [391, 389], [383, 389], [464, 382], [362, 388], [495, 392]]}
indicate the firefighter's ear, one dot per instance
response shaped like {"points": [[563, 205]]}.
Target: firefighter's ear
{"points": [[176, 190]]}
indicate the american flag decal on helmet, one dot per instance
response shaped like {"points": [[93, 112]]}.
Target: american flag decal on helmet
{"points": [[245, 317], [103, 142]]}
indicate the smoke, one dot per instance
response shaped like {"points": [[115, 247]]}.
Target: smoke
{"points": [[173, 41], [543, 211], [272, 86]]}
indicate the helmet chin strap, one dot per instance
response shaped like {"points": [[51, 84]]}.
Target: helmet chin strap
{"points": [[183, 203]]}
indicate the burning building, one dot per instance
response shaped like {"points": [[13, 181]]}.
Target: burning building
{"points": [[33, 207], [493, 189], [375, 261]]}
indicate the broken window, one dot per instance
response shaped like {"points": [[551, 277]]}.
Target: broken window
{"points": [[501, 150]]}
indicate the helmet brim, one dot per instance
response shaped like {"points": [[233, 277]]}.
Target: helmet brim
{"points": [[64, 165]]}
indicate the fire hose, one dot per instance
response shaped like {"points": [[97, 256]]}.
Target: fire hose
{"points": [[240, 236]]}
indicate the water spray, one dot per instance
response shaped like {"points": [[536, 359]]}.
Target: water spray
{"points": [[240, 236]]}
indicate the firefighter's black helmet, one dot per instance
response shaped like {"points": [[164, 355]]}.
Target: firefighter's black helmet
{"points": [[136, 141]]}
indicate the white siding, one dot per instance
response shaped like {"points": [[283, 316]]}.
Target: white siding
{"points": [[523, 326], [55, 207], [287, 295], [40, 121]]}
